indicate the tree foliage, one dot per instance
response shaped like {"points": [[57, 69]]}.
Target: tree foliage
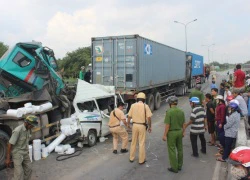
{"points": [[72, 62], [3, 48]]}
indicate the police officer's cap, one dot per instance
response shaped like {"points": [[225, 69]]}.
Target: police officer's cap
{"points": [[32, 120], [141, 95], [172, 100]]}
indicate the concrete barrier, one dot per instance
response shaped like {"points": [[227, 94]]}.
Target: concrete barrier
{"points": [[242, 134]]}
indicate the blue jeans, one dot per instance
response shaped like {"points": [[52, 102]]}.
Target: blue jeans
{"points": [[228, 146]]}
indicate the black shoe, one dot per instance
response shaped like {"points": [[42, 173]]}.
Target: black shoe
{"points": [[171, 170], [195, 155], [124, 150], [143, 162], [115, 151], [131, 161], [203, 152]]}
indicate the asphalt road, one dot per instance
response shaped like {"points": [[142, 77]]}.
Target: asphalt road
{"points": [[99, 163]]}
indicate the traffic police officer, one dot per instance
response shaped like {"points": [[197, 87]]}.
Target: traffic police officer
{"points": [[174, 121], [18, 146], [116, 129], [141, 115]]}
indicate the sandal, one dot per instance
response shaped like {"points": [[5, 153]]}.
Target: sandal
{"points": [[218, 154], [220, 159]]}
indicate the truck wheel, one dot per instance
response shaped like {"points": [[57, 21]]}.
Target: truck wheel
{"points": [[4, 138], [157, 100], [151, 102], [92, 138]]}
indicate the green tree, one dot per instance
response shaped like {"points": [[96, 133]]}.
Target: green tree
{"points": [[73, 61], [3, 48]]}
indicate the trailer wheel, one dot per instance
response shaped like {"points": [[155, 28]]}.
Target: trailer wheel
{"points": [[151, 102], [4, 138], [92, 138], [157, 100]]}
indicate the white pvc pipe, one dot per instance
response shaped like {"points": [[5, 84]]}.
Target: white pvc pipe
{"points": [[55, 143]]}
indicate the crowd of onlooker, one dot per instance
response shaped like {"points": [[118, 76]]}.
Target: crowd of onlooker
{"points": [[225, 106]]}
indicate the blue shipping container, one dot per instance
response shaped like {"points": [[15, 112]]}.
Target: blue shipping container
{"points": [[197, 64]]}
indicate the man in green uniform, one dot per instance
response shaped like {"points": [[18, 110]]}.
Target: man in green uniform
{"points": [[174, 121], [18, 146], [197, 93], [82, 73]]}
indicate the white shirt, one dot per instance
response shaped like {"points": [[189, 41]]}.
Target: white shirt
{"points": [[227, 93]]}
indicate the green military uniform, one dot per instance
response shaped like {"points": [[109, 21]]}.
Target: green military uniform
{"points": [[175, 118], [20, 153], [197, 93], [82, 74]]}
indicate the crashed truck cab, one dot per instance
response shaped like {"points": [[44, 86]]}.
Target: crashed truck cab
{"points": [[26, 67], [93, 104], [28, 75]]}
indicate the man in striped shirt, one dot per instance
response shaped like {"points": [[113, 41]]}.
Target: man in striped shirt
{"points": [[198, 126]]}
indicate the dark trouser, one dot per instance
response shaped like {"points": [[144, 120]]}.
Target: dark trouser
{"points": [[221, 135], [228, 146], [193, 138]]}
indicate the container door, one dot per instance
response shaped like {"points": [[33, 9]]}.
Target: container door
{"points": [[125, 63], [103, 62]]}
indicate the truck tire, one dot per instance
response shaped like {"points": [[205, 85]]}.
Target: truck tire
{"points": [[92, 138], [4, 139], [150, 102], [157, 100]]}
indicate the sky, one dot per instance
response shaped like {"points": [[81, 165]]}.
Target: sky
{"points": [[65, 25]]}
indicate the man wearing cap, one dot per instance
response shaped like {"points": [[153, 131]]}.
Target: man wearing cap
{"points": [[198, 123], [116, 116], [174, 125], [18, 146], [82, 73], [141, 115]]}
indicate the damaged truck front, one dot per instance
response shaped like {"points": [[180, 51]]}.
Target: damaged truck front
{"points": [[29, 74]]}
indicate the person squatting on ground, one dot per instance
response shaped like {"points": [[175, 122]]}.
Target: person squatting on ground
{"points": [[220, 118], [141, 115], [231, 128], [18, 148], [240, 160], [210, 115], [198, 126], [116, 116], [174, 126]]}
